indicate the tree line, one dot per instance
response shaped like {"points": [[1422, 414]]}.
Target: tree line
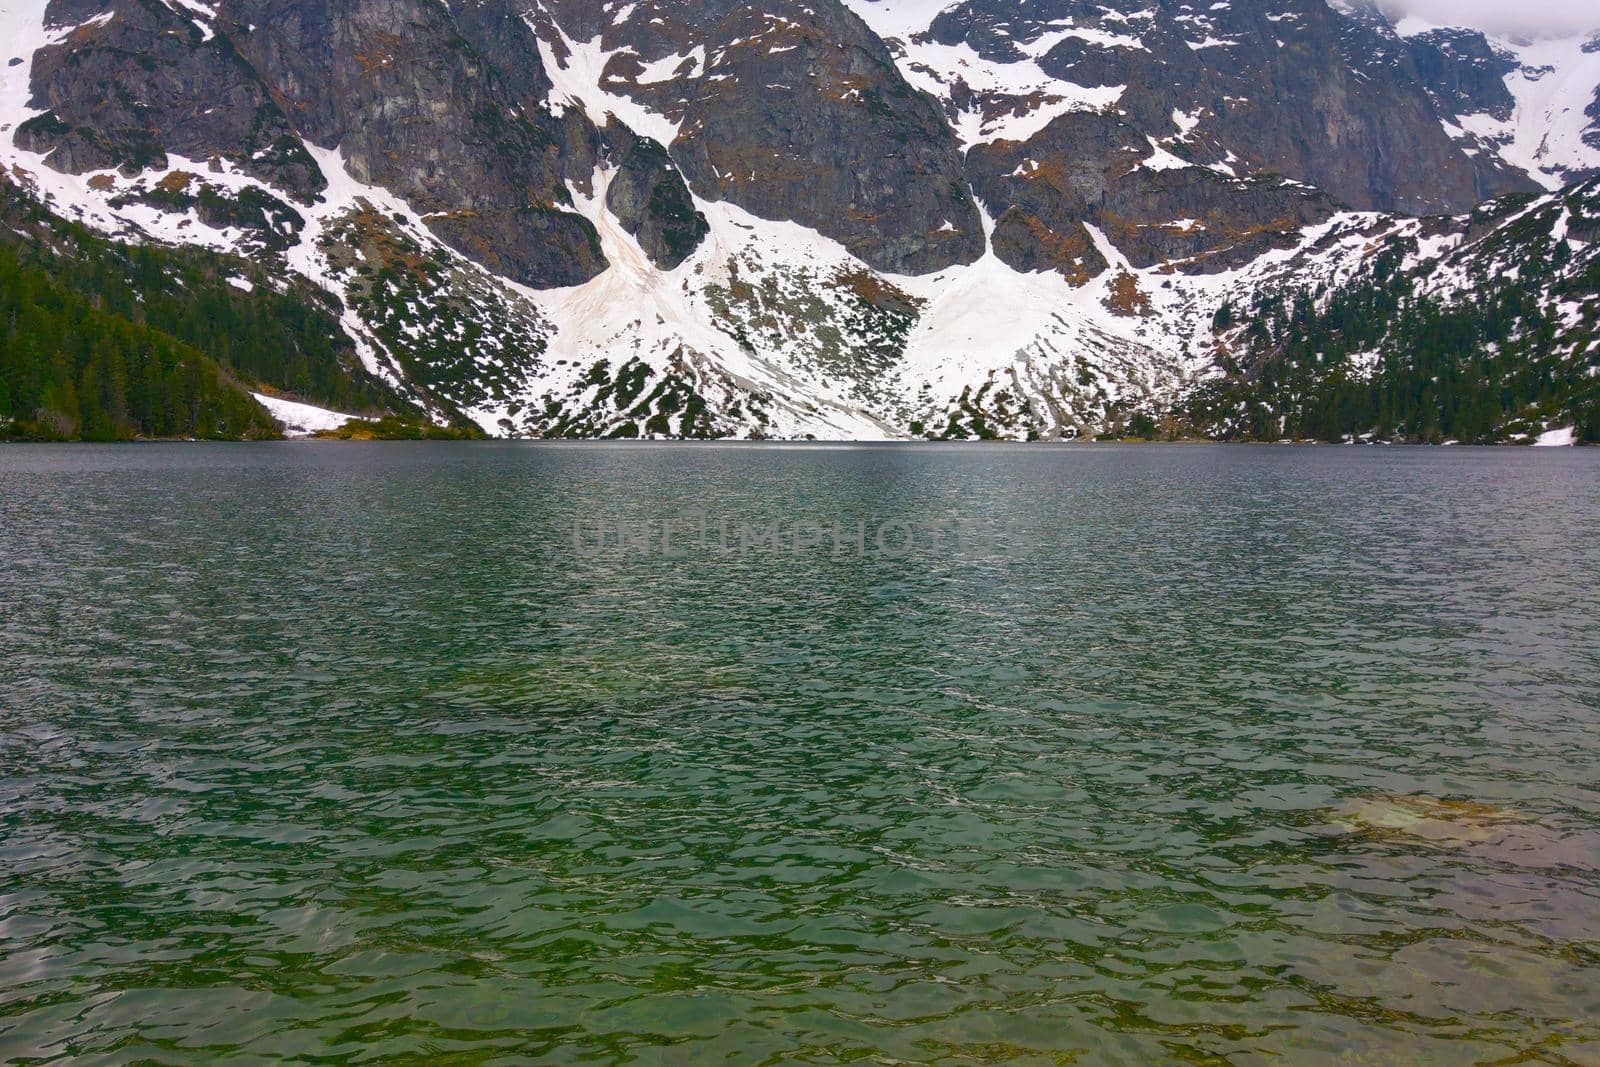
{"points": [[1379, 356], [106, 341]]}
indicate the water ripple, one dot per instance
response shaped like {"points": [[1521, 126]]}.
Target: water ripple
{"points": [[1233, 756]]}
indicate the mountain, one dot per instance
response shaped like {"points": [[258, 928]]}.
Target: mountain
{"points": [[105, 340], [1476, 329], [833, 219]]}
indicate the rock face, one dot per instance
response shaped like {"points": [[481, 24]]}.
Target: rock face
{"points": [[649, 198], [1199, 107], [1462, 72], [415, 108], [1292, 88], [1166, 129], [142, 81], [395, 85], [796, 111], [1096, 169]]}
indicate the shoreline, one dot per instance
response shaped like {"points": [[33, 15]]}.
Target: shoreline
{"points": [[645, 443]]}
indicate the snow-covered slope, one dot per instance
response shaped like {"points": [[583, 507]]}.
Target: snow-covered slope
{"points": [[1548, 124], [989, 98], [302, 420]]}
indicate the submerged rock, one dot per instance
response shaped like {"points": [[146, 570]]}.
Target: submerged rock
{"points": [[1507, 835], [1446, 822]]}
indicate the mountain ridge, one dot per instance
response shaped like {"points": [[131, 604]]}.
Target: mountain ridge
{"points": [[848, 220]]}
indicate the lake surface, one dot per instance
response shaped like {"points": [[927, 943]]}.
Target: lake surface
{"points": [[1196, 755]]}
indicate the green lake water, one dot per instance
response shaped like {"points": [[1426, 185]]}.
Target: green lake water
{"points": [[343, 753]]}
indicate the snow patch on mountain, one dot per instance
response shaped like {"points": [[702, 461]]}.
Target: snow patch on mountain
{"points": [[1553, 133], [577, 70], [1556, 86], [1008, 100], [1013, 101], [634, 310], [301, 420]]}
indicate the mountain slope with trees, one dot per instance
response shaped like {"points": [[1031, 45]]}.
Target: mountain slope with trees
{"points": [[1494, 336], [101, 340]]}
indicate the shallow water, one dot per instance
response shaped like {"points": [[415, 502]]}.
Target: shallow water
{"points": [[1213, 755]]}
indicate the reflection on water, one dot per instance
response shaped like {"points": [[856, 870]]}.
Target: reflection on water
{"points": [[1233, 755]]}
